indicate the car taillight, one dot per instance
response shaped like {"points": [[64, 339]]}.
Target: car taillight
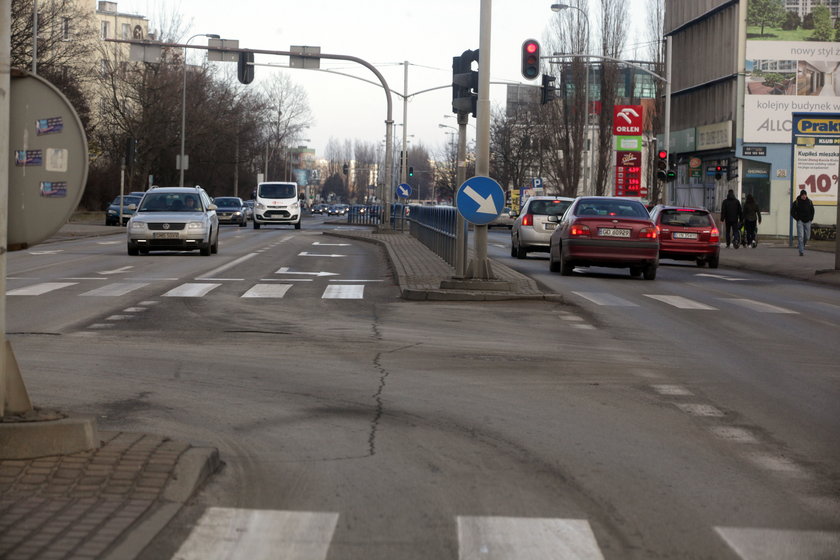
{"points": [[714, 236], [528, 220], [649, 233], [578, 230]]}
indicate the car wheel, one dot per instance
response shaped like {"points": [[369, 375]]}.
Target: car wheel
{"points": [[521, 252], [214, 248], [512, 248], [635, 271], [144, 251], [566, 268], [243, 223], [714, 261], [133, 251], [553, 266], [297, 225], [650, 272], [256, 225]]}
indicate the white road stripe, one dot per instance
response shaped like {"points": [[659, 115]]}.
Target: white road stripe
{"points": [[605, 298], [778, 544], [223, 533], [671, 390], [40, 289], [519, 538], [267, 291], [680, 302], [191, 290], [116, 289], [759, 306], [344, 291]]}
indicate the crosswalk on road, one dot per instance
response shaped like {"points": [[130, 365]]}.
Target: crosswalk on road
{"points": [[306, 535], [607, 299]]}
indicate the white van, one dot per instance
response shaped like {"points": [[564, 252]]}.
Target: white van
{"points": [[276, 203]]}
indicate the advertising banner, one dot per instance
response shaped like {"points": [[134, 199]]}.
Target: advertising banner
{"points": [[816, 156]]}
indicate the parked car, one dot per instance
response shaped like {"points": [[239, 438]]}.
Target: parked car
{"points": [[687, 234], [532, 229], [174, 219], [504, 219], [112, 214], [605, 231], [231, 210]]}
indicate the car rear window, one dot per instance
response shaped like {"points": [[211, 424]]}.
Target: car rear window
{"points": [[685, 218], [548, 207], [628, 209]]}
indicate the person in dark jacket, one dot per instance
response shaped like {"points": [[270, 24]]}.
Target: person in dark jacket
{"points": [[802, 211], [730, 214], [752, 217]]}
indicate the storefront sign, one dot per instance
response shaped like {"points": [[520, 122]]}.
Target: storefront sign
{"points": [[816, 155]]}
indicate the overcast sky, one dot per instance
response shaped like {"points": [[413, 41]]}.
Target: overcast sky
{"points": [[426, 33]]}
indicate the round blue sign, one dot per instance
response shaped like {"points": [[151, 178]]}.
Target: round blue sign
{"points": [[480, 200], [404, 190]]}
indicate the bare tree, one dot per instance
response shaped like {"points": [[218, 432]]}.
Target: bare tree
{"points": [[655, 23], [516, 145], [286, 116]]}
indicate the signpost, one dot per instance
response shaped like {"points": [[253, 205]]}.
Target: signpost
{"points": [[480, 200]]}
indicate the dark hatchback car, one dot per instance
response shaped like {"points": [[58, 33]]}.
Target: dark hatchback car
{"points": [[605, 231], [112, 214], [687, 234], [231, 210]]}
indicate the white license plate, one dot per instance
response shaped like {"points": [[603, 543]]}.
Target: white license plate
{"points": [[681, 235], [550, 225], [613, 232], [166, 235]]}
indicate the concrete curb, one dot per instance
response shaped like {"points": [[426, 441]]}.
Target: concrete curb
{"points": [[42, 438]]}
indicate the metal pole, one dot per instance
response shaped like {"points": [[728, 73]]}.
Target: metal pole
{"points": [[404, 155], [461, 176], [5, 86], [35, 37], [667, 131], [184, 103], [480, 267]]}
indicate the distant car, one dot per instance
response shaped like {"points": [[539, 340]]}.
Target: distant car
{"points": [[687, 234], [166, 221], [249, 208], [337, 209], [605, 231], [231, 210], [504, 219], [112, 214], [320, 208], [532, 229]]}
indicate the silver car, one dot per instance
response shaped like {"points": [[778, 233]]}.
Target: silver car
{"points": [[174, 219], [532, 230]]}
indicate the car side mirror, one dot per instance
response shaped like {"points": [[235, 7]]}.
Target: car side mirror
{"points": [[132, 207], [212, 207]]}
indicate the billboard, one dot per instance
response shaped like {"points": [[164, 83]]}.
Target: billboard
{"points": [[816, 156], [784, 77]]}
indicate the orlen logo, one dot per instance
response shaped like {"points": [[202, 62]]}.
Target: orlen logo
{"points": [[818, 126], [627, 120]]}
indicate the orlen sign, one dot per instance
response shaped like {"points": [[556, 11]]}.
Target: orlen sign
{"points": [[627, 120]]}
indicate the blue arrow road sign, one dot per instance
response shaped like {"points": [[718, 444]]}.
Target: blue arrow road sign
{"points": [[480, 200], [404, 190]]}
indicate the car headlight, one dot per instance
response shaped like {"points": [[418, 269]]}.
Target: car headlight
{"points": [[137, 226], [237, 213], [112, 211], [260, 206], [295, 206], [196, 226]]}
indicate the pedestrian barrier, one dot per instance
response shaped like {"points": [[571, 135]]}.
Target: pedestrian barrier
{"points": [[435, 227]]}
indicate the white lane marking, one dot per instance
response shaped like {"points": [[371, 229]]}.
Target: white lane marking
{"points": [[777, 544], [738, 435], [720, 277], [680, 302], [518, 538], [121, 270], [267, 291], [354, 280], [777, 464], [605, 298], [116, 289], [231, 264], [672, 390], [331, 244], [285, 270], [700, 410], [40, 289], [759, 306], [53, 252], [191, 290], [344, 291], [307, 254], [134, 309], [223, 533]]}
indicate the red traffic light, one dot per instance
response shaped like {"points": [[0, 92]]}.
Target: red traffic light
{"points": [[531, 47], [662, 154], [530, 59]]}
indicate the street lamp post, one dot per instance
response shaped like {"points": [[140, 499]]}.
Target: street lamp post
{"points": [[587, 167], [184, 103]]}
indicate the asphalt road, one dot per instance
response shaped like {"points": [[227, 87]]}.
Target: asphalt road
{"points": [[617, 425]]}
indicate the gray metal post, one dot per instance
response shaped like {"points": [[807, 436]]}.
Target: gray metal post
{"points": [[5, 86], [404, 155], [460, 177], [480, 267], [667, 131]]}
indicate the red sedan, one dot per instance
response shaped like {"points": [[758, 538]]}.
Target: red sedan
{"points": [[605, 231], [687, 234]]}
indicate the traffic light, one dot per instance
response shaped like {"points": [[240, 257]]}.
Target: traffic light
{"points": [[410, 171], [549, 92], [464, 83], [245, 68], [346, 169], [720, 170], [662, 165], [530, 59]]}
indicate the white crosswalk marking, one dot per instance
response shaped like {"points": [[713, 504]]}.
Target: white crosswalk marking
{"points": [[680, 302], [116, 289], [267, 291], [223, 533], [40, 289], [759, 306], [191, 289], [344, 291], [605, 298], [517, 538], [775, 544]]}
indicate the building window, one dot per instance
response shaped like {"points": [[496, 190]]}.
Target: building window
{"points": [[105, 27], [126, 31], [65, 29]]}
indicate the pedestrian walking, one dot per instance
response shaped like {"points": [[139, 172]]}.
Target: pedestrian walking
{"points": [[802, 210], [752, 217], [730, 215]]}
